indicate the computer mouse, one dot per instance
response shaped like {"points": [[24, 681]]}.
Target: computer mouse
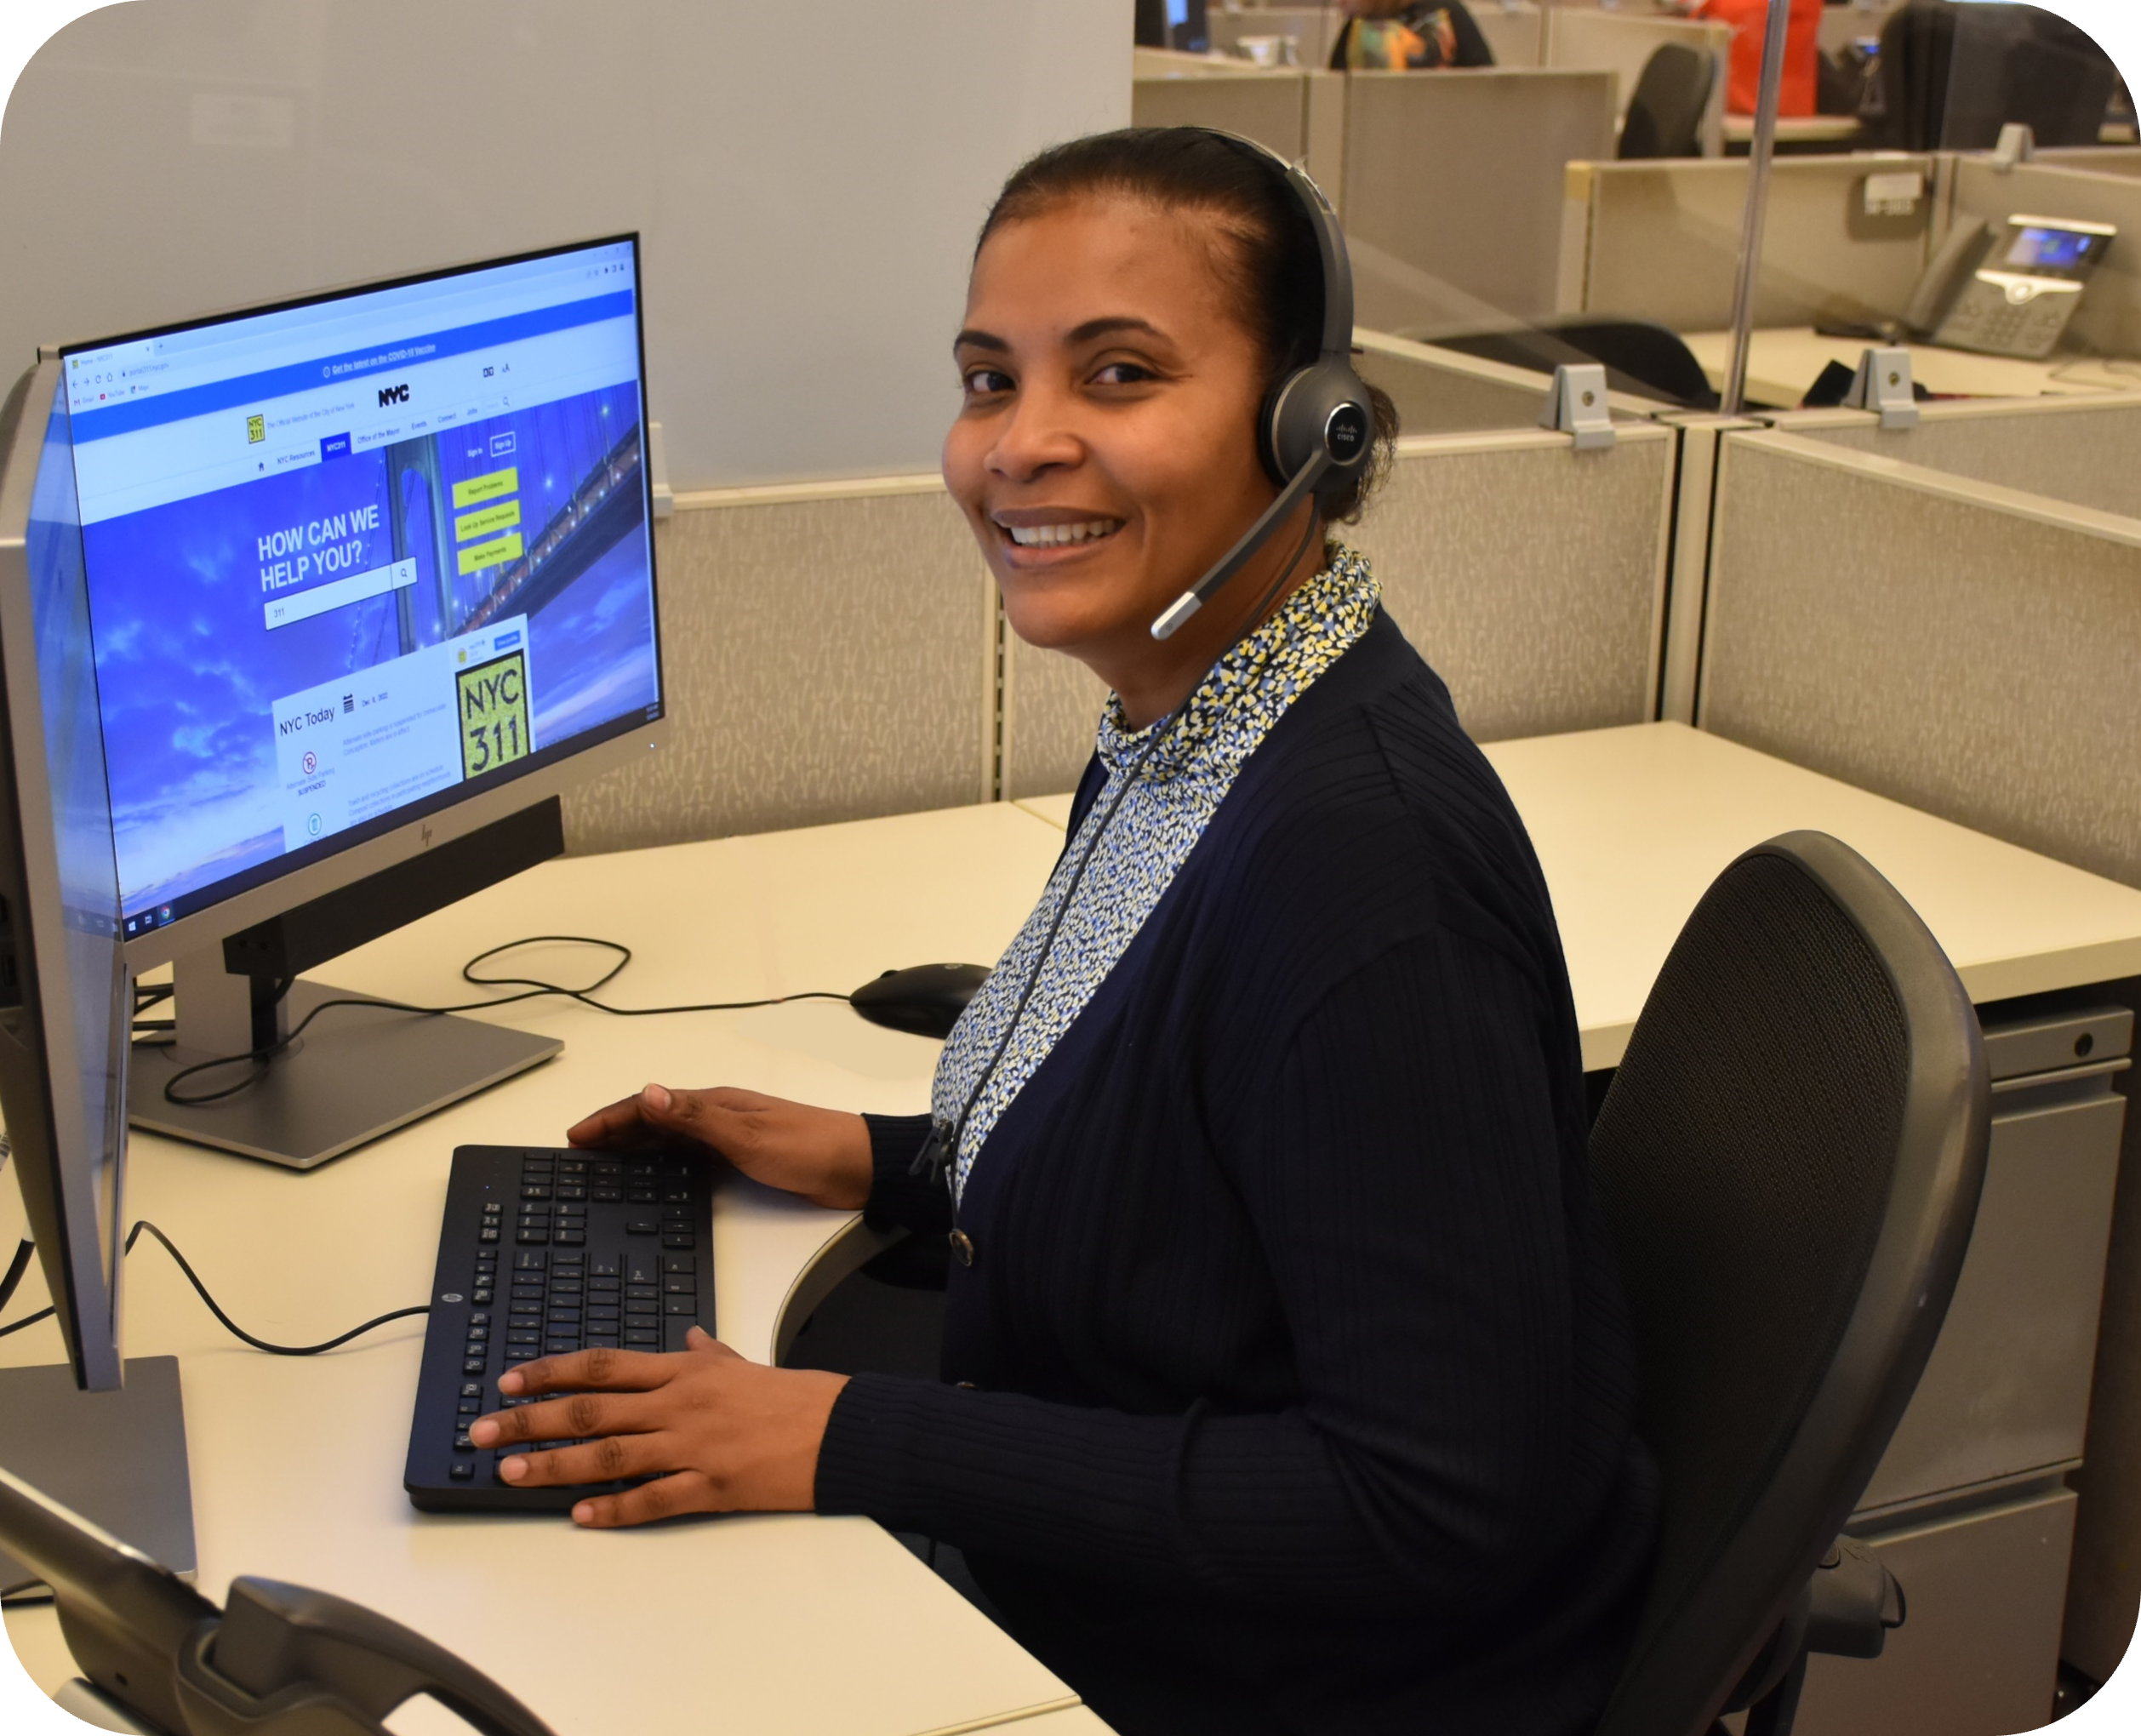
{"points": [[926, 999]]}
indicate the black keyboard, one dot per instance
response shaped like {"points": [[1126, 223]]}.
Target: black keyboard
{"points": [[544, 1253]]}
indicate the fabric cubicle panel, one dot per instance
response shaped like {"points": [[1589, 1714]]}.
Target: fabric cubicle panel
{"points": [[1270, 107], [1453, 189], [1442, 392], [2108, 322], [1515, 34], [1529, 574], [1961, 647], [1622, 43], [1660, 241], [2076, 449], [1311, 29], [829, 654]]}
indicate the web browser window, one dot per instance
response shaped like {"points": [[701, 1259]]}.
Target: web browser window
{"points": [[348, 557]]}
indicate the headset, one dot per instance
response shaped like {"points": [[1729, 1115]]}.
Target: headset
{"points": [[1315, 429]]}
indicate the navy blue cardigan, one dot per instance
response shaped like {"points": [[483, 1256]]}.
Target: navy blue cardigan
{"points": [[1290, 1387]]}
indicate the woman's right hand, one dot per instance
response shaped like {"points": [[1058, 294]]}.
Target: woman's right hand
{"points": [[823, 1155]]}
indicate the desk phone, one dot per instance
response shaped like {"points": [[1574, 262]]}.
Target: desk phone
{"points": [[2009, 291]]}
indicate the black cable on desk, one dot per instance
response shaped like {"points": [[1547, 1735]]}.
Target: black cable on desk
{"points": [[531, 989], [228, 1324]]}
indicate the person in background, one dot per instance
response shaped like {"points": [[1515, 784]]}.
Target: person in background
{"points": [[1750, 23], [1408, 35]]}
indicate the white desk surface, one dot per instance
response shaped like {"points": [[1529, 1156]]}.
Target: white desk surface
{"points": [[1632, 824], [1784, 362], [1796, 129], [766, 1624]]}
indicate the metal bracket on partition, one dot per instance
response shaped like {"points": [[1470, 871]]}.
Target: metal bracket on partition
{"points": [[1883, 384], [2016, 144], [1576, 404]]}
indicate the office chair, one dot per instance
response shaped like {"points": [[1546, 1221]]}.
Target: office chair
{"points": [[1639, 356], [1666, 114], [1789, 1159]]}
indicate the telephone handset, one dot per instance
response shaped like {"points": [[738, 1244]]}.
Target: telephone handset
{"points": [[2007, 290]]}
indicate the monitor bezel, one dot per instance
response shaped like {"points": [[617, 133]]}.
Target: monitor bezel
{"points": [[61, 1198], [623, 741]]}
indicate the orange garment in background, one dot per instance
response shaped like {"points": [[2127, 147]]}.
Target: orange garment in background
{"points": [[1749, 20]]}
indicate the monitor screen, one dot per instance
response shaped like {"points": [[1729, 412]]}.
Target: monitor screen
{"points": [[349, 557], [2051, 250]]}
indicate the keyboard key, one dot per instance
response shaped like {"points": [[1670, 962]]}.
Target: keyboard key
{"points": [[639, 1196], [521, 1336], [572, 1166], [680, 1240], [639, 1224], [571, 1238], [641, 1310], [473, 1389], [679, 1284], [461, 1442], [639, 1336], [675, 1191], [476, 1333], [644, 1268], [601, 1311], [486, 1234], [676, 1214], [603, 1265], [479, 1318], [673, 1263], [602, 1286], [484, 1294], [602, 1341], [533, 1238], [607, 1195], [561, 1347], [471, 1407], [530, 1262], [571, 1191], [534, 1191], [641, 1292], [461, 1470], [522, 1353], [686, 1305], [474, 1365]]}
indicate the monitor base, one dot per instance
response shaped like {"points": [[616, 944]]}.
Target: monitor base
{"points": [[118, 1458], [354, 1076]]}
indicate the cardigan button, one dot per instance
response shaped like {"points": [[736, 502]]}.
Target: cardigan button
{"points": [[962, 1246]]}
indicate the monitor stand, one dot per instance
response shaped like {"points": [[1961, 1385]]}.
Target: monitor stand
{"points": [[118, 1458], [354, 1075]]}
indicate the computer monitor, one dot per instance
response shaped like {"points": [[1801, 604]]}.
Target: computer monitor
{"points": [[115, 1448], [1173, 24], [371, 580]]}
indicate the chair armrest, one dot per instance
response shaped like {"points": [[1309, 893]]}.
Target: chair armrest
{"points": [[1855, 1601]]}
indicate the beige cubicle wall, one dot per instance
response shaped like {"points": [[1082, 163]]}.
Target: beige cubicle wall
{"points": [[2081, 450], [2108, 322], [1309, 29], [1622, 43], [1660, 241], [1530, 574], [828, 651], [1444, 391], [2098, 159], [1452, 189], [1515, 34], [1270, 107], [1964, 647]]}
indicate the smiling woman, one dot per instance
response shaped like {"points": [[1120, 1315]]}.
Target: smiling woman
{"points": [[1286, 1379]]}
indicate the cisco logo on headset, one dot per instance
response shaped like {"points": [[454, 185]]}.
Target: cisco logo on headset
{"points": [[1345, 433]]}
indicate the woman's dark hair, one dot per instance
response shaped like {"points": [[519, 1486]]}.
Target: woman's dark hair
{"points": [[1267, 257]]}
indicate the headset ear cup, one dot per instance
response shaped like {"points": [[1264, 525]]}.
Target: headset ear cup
{"points": [[1323, 408]]}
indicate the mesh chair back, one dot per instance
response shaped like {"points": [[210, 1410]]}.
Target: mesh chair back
{"points": [[1666, 114], [1789, 1160]]}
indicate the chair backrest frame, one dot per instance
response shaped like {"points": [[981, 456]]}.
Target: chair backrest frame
{"points": [[1699, 1637]]}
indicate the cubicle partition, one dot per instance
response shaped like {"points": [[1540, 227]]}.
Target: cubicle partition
{"points": [[1530, 574], [2078, 449], [1967, 647], [1270, 107], [1310, 30], [828, 651], [1621, 43], [1848, 238], [1452, 189]]}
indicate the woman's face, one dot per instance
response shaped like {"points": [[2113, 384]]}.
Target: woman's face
{"points": [[1105, 450]]}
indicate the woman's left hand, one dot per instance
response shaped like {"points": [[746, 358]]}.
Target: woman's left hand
{"points": [[731, 1436]]}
